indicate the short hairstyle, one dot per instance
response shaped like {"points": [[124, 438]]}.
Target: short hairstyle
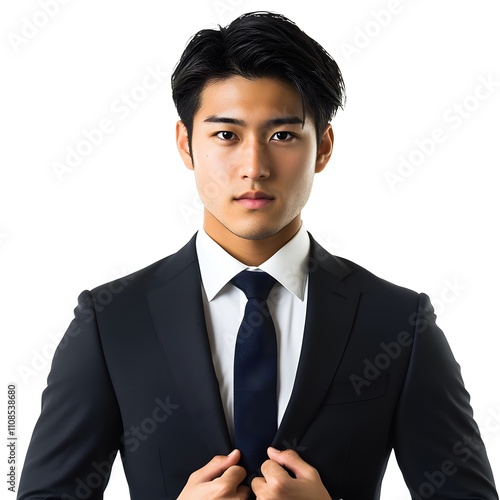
{"points": [[259, 45]]}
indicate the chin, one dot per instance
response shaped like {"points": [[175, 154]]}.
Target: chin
{"points": [[254, 233]]}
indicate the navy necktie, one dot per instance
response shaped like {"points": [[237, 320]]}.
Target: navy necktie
{"points": [[255, 373]]}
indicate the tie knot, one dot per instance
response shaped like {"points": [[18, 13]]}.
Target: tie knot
{"points": [[254, 284]]}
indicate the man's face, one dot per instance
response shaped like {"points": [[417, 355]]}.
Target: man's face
{"points": [[253, 157]]}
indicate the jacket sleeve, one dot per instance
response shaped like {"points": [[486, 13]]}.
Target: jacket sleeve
{"points": [[77, 435], [436, 440]]}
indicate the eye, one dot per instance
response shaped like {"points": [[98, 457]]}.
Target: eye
{"points": [[226, 135], [282, 136]]}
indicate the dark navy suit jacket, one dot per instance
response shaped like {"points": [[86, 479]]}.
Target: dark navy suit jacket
{"points": [[134, 374]]}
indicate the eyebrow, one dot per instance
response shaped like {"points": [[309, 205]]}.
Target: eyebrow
{"points": [[272, 122]]}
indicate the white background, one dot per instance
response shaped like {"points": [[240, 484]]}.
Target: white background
{"points": [[131, 201]]}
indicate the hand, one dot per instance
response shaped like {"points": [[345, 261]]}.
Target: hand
{"points": [[278, 484], [218, 479]]}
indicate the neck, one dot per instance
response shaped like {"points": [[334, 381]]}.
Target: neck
{"points": [[250, 252]]}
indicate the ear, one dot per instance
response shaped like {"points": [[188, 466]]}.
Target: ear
{"points": [[181, 137], [324, 149]]}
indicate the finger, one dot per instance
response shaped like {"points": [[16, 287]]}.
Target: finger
{"points": [[243, 492], [216, 467], [291, 460], [233, 475], [258, 485], [271, 469]]}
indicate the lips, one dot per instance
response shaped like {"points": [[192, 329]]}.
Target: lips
{"points": [[254, 199]]}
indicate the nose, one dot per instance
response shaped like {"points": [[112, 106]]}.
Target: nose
{"points": [[254, 161]]}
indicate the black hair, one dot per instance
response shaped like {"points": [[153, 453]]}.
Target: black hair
{"points": [[258, 45]]}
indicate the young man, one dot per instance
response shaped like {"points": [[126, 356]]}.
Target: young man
{"points": [[236, 367]]}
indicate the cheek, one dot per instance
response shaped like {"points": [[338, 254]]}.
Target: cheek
{"points": [[299, 174], [213, 184], [207, 188], [298, 186]]}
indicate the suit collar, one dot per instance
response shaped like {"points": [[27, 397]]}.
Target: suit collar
{"points": [[288, 265]]}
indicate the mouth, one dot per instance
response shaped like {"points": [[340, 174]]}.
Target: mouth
{"points": [[254, 199]]}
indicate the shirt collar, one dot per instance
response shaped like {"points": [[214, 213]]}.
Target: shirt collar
{"points": [[288, 265]]}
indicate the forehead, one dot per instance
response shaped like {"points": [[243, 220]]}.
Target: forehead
{"points": [[237, 95]]}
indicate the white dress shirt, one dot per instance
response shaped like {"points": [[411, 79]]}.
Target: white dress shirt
{"points": [[224, 306]]}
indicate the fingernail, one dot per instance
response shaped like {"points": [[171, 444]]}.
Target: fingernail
{"points": [[232, 453]]}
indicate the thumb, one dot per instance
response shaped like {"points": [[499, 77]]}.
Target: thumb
{"points": [[217, 466], [290, 460]]}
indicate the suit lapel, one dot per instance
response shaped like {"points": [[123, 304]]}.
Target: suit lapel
{"points": [[176, 306], [331, 308]]}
